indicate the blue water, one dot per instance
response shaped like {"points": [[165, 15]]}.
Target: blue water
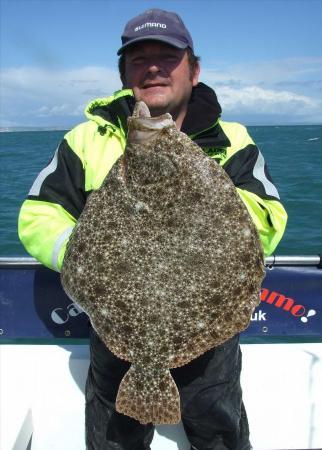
{"points": [[293, 153]]}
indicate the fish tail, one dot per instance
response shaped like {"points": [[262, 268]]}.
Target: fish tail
{"points": [[149, 396]]}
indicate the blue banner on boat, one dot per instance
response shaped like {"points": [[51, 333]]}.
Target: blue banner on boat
{"points": [[34, 307]]}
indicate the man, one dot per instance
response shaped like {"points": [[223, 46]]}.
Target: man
{"points": [[157, 65]]}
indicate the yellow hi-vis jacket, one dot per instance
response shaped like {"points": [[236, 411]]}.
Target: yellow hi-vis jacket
{"points": [[87, 153]]}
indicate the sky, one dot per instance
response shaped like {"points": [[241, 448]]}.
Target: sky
{"points": [[262, 57]]}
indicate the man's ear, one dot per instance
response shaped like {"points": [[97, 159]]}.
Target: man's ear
{"points": [[121, 67], [195, 74]]}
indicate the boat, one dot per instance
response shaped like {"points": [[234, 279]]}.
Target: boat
{"points": [[44, 360]]}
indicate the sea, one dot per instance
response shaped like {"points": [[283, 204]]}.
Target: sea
{"points": [[293, 155]]}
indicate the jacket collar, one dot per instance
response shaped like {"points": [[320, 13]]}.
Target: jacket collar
{"points": [[200, 123], [203, 110], [202, 119]]}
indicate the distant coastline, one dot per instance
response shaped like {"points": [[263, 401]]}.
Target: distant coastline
{"points": [[24, 129], [66, 128]]}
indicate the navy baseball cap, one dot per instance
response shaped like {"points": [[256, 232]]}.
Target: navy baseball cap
{"points": [[157, 25]]}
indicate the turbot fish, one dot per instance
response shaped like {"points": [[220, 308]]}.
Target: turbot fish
{"points": [[165, 260]]}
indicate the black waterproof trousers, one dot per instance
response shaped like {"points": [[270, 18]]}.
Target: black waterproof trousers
{"points": [[213, 415]]}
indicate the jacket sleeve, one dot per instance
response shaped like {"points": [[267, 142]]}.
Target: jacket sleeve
{"points": [[50, 212], [247, 169]]}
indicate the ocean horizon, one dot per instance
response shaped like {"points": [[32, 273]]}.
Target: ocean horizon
{"points": [[293, 154], [22, 128]]}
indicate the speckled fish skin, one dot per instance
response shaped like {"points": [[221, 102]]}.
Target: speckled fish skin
{"points": [[165, 260]]}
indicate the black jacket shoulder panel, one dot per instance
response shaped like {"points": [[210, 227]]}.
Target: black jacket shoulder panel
{"points": [[213, 137], [66, 184], [241, 168]]}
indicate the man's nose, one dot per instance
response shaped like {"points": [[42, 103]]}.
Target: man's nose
{"points": [[154, 67]]}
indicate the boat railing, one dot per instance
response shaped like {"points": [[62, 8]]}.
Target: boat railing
{"points": [[270, 261]]}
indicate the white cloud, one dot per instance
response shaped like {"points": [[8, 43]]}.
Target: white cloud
{"points": [[57, 110], [269, 73], [32, 95], [254, 98], [288, 89]]}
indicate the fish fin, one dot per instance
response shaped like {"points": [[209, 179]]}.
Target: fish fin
{"points": [[149, 396]]}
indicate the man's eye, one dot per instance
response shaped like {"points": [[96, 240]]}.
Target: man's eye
{"points": [[138, 61], [170, 57]]}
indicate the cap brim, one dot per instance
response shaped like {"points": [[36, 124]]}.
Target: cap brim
{"points": [[154, 37]]}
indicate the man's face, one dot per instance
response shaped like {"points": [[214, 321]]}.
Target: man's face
{"points": [[160, 75]]}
